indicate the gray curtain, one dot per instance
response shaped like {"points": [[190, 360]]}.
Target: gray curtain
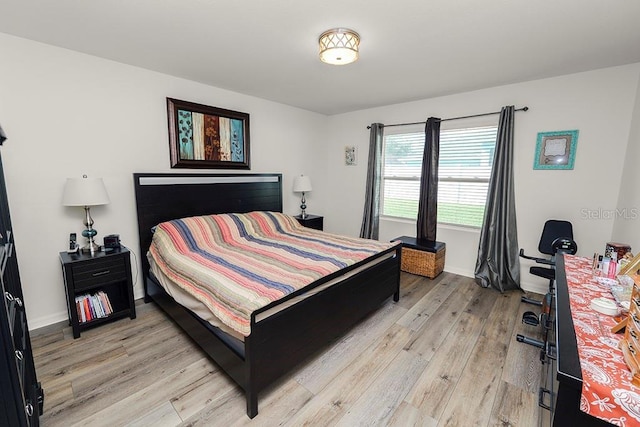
{"points": [[371, 215], [428, 201], [497, 264]]}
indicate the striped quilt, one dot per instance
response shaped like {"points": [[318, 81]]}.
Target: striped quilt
{"points": [[236, 264]]}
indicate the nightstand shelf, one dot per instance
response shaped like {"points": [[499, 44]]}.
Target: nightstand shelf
{"points": [[85, 276], [311, 221]]}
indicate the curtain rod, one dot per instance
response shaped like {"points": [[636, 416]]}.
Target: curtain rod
{"points": [[452, 118]]}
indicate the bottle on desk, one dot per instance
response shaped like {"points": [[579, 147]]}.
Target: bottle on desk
{"points": [[597, 265], [613, 266], [604, 266]]}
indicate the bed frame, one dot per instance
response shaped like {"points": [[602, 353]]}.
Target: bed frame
{"points": [[282, 340]]}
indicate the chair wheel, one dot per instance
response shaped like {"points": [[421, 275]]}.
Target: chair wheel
{"points": [[530, 318]]}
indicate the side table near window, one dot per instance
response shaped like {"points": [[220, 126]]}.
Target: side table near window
{"points": [[422, 258], [311, 221], [99, 288]]}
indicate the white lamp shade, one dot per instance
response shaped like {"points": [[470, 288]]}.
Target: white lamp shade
{"points": [[302, 184], [84, 192]]}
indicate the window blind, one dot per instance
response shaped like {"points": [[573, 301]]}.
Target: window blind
{"points": [[464, 168]]}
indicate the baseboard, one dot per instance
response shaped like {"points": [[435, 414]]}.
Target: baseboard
{"points": [[45, 321], [538, 288], [459, 272], [59, 321]]}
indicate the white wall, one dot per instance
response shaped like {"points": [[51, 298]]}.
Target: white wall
{"points": [[68, 114], [626, 227], [599, 104]]}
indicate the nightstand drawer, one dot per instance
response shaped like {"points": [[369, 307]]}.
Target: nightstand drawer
{"points": [[99, 272]]}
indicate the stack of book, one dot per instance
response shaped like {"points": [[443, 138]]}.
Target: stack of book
{"points": [[92, 307]]}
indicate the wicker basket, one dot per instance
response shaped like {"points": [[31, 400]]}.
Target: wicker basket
{"points": [[423, 263]]}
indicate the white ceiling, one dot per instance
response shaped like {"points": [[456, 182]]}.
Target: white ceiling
{"points": [[410, 49]]}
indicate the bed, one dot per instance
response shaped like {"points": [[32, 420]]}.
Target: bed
{"points": [[282, 333]]}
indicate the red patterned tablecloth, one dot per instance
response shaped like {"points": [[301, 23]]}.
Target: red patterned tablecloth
{"points": [[607, 392]]}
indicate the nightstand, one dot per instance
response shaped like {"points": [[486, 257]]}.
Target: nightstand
{"points": [[99, 288], [311, 221]]}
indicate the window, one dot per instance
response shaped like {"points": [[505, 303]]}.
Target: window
{"points": [[466, 157]]}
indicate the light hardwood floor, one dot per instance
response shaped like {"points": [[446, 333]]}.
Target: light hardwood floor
{"points": [[444, 355]]}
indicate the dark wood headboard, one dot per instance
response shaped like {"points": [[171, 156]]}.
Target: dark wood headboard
{"points": [[165, 196]]}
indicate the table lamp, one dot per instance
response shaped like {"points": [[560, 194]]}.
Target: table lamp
{"points": [[302, 184], [86, 192]]}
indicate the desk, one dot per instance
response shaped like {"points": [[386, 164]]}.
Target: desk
{"points": [[568, 389]]}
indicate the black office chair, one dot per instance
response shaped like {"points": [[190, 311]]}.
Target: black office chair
{"points": [[557, 237]]}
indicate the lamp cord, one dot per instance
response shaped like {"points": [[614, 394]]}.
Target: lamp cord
{"points": [[136, 263]]}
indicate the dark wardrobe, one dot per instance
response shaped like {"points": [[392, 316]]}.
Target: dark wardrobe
{"points": [[21, 396]]}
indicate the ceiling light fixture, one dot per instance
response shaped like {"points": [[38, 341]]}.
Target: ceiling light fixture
{"points": [[339, 46]]}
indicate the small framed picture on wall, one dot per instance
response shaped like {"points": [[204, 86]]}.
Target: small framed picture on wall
{"points": [[350, 155], [556, 150]]}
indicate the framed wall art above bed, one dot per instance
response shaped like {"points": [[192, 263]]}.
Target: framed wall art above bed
{"points": [[201, 136]]}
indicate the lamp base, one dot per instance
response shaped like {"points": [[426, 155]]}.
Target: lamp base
{"points": [[303, 206], [91, 247], [89, 233]]}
